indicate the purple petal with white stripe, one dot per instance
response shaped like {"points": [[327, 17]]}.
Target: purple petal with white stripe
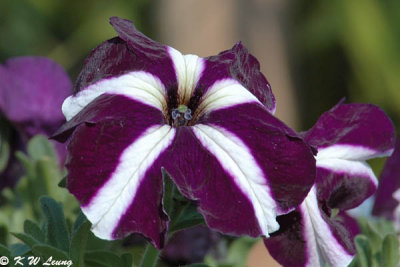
{"points": [[344, 184], [238, 64], [310, 237], [131, 51], [345, 137], [110, 154], [385, 203], [353, 131], [283, 158]]}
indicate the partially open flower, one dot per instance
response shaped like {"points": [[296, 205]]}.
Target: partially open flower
{"points": [[319, 231], [141, 106]]}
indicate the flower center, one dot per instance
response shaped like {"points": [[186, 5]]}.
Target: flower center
{"points": [[181, 116]]}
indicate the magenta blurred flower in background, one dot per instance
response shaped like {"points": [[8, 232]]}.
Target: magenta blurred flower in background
{"points": [[32, 90], [141, 106], [345, 137]]}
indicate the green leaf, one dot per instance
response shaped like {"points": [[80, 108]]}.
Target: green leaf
{"points": [[25, 161], [364, 250], [127, 259], [188, 217], [78, 244], [79, 221], [334, 212], [4, 144], [39, 146], [27, 239], [150, 256], [19, 249], [34, 230], [4, 251], [197, 265], [57, 231], [3, 234], [372, 234], [384, 227], [169, 189], [103, 258], [390, 251], [45, 252], [47, 170], [63, 182]]}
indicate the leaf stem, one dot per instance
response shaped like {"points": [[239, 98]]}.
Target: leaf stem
{"points": [[150, 256]]}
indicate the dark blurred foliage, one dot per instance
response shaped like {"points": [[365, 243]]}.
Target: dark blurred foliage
{"points": [[345, 48], [65, 31], [189, 246]]}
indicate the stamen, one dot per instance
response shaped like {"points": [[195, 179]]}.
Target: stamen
{"points": [[181, 116], [175, 114], [188, 115]]}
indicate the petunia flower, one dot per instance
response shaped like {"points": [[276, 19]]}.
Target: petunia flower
{"points": [[141, 107], [32, 90], [387, 197], [345, 137]]}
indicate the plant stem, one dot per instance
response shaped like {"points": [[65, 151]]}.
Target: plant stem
{"points": [[150, 256]]}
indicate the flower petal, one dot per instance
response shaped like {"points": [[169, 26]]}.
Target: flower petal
{"points": [[130, 200], [287, 164], [244, 160], [40, 82], [140, 86], [352, 131], [288, 246], [188, 69], [308, 237], [113, 157], [344, 184], [130, 52], [240, 65], [385, 204], [215, 184]]}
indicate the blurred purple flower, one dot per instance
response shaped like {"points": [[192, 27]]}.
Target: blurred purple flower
{"points": [[189, 245], [386, 198], [32, 90], [345, 137], [140, 106]]}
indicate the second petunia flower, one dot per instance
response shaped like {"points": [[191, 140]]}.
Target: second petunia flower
{"points": [[140, 107]]}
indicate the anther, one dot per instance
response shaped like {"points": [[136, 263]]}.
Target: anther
{"points": [[181, 116]]}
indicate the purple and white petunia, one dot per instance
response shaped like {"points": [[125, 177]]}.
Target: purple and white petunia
{"points": [[387, 198], [345, 137], [141, 106]]}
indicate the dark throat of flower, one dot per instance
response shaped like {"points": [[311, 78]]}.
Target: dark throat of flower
{"points": [[183, 112]]}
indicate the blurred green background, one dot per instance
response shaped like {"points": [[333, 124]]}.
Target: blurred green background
{"points": [[65, 31], [346, 48], [334, 48]]}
